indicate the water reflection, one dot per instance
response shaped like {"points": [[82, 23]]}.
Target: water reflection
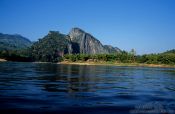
{"points": [[75, 78], [71, 78]]}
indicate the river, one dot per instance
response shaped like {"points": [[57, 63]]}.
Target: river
{"points": [[85, 89]]}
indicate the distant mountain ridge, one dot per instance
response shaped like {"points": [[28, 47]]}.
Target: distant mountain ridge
{"points": [[13, 42]]}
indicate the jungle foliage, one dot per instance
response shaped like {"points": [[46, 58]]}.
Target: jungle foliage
{"points": [[126, 57]]}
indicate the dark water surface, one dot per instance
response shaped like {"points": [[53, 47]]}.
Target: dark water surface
{"points": [[52, 88]]}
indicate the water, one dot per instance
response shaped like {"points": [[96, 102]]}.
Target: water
{"points": [[52, 88]]}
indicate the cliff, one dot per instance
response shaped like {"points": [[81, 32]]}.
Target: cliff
{"points": [[85, 43]]}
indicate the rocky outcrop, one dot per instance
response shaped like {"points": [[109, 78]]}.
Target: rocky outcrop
{"points": [[85, 43]]}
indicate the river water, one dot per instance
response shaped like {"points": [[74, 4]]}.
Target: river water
{"points": [[84, 89]]}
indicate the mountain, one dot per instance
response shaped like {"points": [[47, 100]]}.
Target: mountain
{"points": [[85, 43], [54, 45], [51, 47], [13, 42]]}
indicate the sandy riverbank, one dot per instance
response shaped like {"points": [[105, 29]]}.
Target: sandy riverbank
{"points": [[108, 63], [2, 60], [117, 64]]}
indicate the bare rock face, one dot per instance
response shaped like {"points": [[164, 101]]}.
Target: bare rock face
{"points": [[85, 43]]}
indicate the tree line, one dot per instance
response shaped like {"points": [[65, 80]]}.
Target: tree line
{"points": [[27, 55], [16, 55], [124, 57]]}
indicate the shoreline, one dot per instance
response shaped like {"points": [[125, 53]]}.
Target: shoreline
{"points": [[102, 63], [117, 64], [2, 60]]}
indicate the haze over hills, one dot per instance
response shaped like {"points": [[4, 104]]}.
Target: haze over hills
{"points": [[13, 42]]}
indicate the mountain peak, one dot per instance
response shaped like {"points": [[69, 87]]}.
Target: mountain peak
{"points": [[76, 29]]}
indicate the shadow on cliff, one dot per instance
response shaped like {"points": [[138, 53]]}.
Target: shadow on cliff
{"points": [[75, 47]]}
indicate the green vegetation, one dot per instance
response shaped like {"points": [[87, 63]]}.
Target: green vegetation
{"points": [[56, 47], [125, 57], [40, 53], [16, 55], [167, 58], [51, 48], [14, 47], [48, 50], [122, 57]]}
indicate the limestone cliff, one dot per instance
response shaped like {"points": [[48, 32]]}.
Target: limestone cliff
{"points": [[85, 43]]}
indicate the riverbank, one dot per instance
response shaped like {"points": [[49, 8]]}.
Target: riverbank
{"points": [[117, 64], [106, 63], [2, 60]]}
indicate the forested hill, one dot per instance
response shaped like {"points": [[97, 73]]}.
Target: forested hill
{"points": [[13, 42], [51, 47]]}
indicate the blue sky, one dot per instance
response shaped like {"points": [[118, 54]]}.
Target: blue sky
{"points": [[148, 26]]}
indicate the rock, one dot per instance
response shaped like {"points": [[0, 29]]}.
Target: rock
{"points": [[85, 43]]}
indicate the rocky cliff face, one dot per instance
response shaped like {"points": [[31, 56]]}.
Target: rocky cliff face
{"points": [[85, 43]]}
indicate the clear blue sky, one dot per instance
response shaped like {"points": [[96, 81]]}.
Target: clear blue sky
{"points": [[148, 26]]}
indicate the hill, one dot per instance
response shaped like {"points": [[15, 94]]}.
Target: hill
{"points": [[51, 47], [13, 42], [54, 45]]}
